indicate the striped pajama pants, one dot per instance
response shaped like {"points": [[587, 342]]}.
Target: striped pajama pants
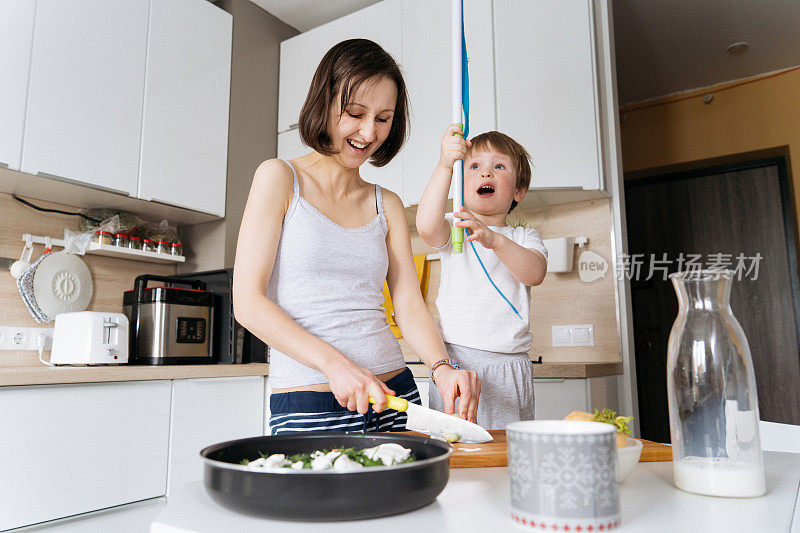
{"points": [[302, 411]]}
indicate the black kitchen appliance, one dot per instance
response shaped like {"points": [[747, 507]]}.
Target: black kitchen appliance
{"points": [[232, 342], [169, 324]]}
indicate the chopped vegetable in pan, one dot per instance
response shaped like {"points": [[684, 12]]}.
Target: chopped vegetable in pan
{"points": [[342, 459]]}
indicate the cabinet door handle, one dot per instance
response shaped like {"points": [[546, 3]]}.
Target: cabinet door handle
{"points": [[83, 183], [293, 126]]}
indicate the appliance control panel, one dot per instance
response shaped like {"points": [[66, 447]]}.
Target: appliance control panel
{"points": [[190, 330]]}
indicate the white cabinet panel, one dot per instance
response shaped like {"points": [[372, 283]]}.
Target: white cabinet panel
{"points": [[301, 54], [290, 145], [186, 100], [70, 449], [556, 398], [208, 411], [547, 88], [426, 70], [423, 385], [16, 38], [84, 112]]}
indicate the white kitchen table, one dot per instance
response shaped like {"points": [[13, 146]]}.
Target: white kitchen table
{"points": [[477, 499]]}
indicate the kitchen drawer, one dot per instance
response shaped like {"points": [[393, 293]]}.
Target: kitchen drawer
{"points": [[70, 449], [208, 411]]}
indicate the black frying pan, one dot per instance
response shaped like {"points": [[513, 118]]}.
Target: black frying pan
{"points": [[325, 495]]}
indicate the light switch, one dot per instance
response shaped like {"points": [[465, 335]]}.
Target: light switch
{"points": [[573, 335], [561, 335]]}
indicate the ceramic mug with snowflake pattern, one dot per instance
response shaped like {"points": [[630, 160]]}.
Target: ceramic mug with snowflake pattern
{"points": [[563, 475]]}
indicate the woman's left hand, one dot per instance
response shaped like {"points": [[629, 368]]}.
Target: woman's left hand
{"points": [[479, 231], [463, 384]]}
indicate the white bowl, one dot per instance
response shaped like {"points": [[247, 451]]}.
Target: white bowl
{"points": [[627, 458]]}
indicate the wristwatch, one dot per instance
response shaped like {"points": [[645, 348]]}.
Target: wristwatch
{"points": [[449, 362]]}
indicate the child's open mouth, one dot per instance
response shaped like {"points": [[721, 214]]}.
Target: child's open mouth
{"points": [[485, 191], [358, 146]]}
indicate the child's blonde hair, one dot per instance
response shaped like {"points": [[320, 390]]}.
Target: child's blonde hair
{"points": [[500, 142]]}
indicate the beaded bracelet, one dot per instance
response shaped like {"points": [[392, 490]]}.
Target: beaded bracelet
{"points": [[449, 362]]}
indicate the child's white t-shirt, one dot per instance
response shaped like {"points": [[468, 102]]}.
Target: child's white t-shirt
{"points": [[471, 312]]}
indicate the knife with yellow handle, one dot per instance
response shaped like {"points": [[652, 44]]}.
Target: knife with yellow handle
{"points": [[435, 423]]}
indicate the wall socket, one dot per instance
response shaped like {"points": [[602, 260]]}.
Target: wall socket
{"points": [[15, 338], [579, 335]]}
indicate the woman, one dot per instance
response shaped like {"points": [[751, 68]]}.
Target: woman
{"points": [[316, 243]]}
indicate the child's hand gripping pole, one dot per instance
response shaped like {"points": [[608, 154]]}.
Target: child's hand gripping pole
{"points": [[457, 235]]}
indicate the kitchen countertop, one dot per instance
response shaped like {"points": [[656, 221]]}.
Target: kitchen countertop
{"points": [[46, 375], [551, 370], [49, 375], [477, 499]]}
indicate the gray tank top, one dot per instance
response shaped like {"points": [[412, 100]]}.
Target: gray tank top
{"points": [[329, 279]]}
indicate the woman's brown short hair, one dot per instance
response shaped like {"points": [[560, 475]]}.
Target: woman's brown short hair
{"points": [[343, 69], [500, 142]]}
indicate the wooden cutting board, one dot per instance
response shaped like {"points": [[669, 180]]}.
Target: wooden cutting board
{"points": [[495, 453]]}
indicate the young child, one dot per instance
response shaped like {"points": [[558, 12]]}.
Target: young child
{"points": [[481, 331]]}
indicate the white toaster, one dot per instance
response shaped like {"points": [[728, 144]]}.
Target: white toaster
{"points": [[90, 338]]}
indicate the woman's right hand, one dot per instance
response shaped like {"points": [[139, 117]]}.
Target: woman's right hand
{"points": [[352, 386], [453, 147]]}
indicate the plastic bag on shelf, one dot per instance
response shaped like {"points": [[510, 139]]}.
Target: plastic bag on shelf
{"points": [[76, 243], [126, 222]]}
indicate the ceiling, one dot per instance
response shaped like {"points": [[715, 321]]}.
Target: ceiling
{"points": [[662, 46], [668, 46]]}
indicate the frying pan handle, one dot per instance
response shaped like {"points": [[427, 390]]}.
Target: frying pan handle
{"points": [[141, 283], [398, 404]]}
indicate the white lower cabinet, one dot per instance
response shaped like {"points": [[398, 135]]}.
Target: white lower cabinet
{"points": [[208, 411], [423, 385], [71, 449], [556, 398]]}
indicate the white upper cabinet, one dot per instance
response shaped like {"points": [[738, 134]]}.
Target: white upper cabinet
{"points": [[84, 111], [426, 68], [547, 88], [301, 55], [16, 37], [184, 150], [290, 145]]}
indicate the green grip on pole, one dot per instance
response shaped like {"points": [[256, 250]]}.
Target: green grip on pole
{"points": [[460, 125], [457, 236]]}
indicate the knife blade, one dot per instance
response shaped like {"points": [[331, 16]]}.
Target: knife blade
{"points": [[436, 423]]}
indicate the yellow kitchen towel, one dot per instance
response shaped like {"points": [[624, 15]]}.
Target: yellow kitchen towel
{"points": [[423, 273]]}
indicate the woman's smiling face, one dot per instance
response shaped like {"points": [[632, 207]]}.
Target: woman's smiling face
{"points": [[365, 122]]}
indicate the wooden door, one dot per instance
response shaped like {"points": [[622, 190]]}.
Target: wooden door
{"points": [[740, 210]]}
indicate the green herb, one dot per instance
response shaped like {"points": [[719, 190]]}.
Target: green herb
{"points": [[610, 417]]}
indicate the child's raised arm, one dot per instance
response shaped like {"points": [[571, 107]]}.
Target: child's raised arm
{"points": [[431, 225]]}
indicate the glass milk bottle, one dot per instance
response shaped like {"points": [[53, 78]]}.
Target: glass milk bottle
{"points": [[713, 406]]}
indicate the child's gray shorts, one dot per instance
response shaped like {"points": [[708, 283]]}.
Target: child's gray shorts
{"points": [[506, 385]]}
